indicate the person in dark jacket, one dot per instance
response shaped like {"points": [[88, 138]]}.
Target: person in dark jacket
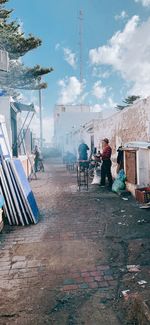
{"points": [[120, 163], [82, 150], [106, 165], [36, 158]]}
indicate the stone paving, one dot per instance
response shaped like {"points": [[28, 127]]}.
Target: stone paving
{"points": [[66, 269]]}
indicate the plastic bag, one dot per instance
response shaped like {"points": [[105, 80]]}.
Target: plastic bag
{"points": [[119, 183], [97, 178], [121, 175]]}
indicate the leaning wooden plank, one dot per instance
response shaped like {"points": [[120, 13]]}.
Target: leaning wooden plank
{"points": [[6, 199], [22, 207], [22, 196], [7, 195], [26, 189], [21, 210], [6, 208], [17, 212], [5, 175]]}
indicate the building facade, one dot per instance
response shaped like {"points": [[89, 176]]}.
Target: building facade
{"points": [[129, 125], [67, 120]]}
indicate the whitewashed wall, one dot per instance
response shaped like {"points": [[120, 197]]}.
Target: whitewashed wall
{"points": [[5, 111]]}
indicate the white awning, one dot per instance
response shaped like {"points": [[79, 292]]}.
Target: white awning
{"points": [[19, 107], [137, 145]]}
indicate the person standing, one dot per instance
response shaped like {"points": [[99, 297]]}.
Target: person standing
{"points": [[36, 158], [120, 160], [106, 164], [82, 150]]}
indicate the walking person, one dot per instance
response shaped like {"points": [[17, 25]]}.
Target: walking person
{"points": [[106, 164], [36, 158]]}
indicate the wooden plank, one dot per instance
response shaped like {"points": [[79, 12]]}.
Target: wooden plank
{"points": [[22, 179], [13, 200], [23, 198], [22, 212], [6, 205], [7, 195], [15, 206]]}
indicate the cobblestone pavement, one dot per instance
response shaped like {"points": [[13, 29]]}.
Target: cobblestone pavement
{"points": [[70, 268]]}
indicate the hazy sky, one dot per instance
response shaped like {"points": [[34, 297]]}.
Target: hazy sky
{"points": [[116, 49]]}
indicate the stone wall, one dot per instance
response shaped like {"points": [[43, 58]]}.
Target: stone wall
{"points": [[131, 124]]}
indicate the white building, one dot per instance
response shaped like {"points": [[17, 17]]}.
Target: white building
{"points": [[15, 125], [68, 119]]}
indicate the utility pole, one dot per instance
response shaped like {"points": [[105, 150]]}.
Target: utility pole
{"points": [[81, 51], [40, 113]]}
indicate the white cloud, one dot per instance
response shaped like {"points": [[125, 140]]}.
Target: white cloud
{"points": [[145, 3], [84, 96], [98, 90], [30, 97], [57, 46], [98, 73], [123, 15], [70, 57], [70, 91], [107, 108], [128, 52]]}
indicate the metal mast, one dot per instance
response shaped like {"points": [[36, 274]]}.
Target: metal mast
{"points": [[40, 113], [81, 50]]}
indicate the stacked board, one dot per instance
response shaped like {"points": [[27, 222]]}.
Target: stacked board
{"points": [[20, 206]]}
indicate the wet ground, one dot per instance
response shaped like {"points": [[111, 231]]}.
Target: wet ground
{"points": [[72, 267]]}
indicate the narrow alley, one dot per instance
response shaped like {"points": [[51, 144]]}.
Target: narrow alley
{"points": [[71, 268]]}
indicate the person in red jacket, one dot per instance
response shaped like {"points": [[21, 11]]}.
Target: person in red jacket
{"points": [[106, 165]]}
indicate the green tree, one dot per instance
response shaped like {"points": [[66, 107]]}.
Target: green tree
{"points": [[128, 101], [14, 41]]}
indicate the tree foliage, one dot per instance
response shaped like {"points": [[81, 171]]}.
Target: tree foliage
{"points": [[128, 101], [14, 41], [25, 78], [4, 13], [3, 1]]}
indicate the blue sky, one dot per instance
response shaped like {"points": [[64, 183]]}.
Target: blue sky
{"points": [[110, 29]]}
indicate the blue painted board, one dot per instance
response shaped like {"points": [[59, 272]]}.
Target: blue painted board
{"points": [[27, 189]]}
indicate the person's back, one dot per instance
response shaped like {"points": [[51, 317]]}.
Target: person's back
{"points": [[83, 148]]}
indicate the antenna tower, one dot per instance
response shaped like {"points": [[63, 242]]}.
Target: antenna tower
{"points": [[81, 48]]}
